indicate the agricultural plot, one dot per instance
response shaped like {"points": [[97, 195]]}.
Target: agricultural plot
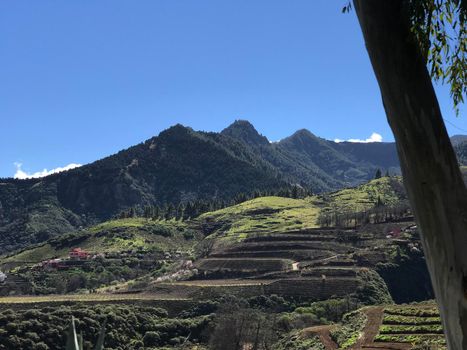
{"points": [[415, 325], [396, 327], [264, 215], [302, 264], [273, 239], [244, 265]]}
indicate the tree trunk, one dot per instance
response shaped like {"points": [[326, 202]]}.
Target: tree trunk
{"points": [[431, 173]]}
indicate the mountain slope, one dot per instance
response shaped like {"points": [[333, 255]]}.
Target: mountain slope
{"points": [[178, 165], [314, 162], [182, 165]]}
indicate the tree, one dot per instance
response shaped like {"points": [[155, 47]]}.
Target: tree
{"points": [[378, 174], [402, 37], [237, 328]]}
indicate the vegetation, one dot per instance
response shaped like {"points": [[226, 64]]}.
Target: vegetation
{"points": [[240, 164], [262, 215], [113, 236], [417, 324], [133, 252], [412, 311], [437, 342], [372, 289], [352, 324], [128, 327], [296, 341], [235, 326], [121, 250], [380, 200], [75, 342], [409, 320], [421, 328]]}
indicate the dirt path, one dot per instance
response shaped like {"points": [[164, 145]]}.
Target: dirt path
{"points": [[323, 333], [97, 297], [374, 317], [366, 341], [387, 346]]}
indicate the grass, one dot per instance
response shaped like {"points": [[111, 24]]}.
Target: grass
{"points": [[411, 338], [413, 324], [364, 196], [112, 236], [411, 329], [137, 223], [413, 311], [82, 298], [264, 215], [269, 215], [349, 332], [410, 320]]}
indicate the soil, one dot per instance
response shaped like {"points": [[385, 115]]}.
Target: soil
{"points": [[323, 332]]}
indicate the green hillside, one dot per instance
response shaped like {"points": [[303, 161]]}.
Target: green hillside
{"points": [[269, 215], [387, 191], [263, 215], [119, 250], [277, 237], [114, 236]]}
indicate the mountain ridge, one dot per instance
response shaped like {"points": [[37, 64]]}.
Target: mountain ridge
{"points": [[182, 165]]}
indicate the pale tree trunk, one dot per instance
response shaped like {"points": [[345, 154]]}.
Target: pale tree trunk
{"points": [[431, 173]]}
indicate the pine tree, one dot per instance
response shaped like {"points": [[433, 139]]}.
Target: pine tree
{"points": [[378, 174], [294, 192]]}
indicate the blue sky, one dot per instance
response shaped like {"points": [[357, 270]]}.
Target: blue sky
{"points": [[83, 79]]}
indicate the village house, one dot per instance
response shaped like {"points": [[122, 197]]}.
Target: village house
{"points": [[78, 254]]}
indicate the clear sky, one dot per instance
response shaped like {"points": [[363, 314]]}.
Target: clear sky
{"points": [[83, 79]]}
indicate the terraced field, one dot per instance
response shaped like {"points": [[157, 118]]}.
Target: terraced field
{"points": [[268, 245], [400, 327], [312, 263], [413, 325], [278, 239]]}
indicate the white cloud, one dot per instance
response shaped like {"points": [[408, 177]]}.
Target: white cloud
{"points": [[375, 137], [21, 174]]}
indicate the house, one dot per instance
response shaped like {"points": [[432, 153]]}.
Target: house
{"points": [[78, 254], [52, 264], [395, 233]]}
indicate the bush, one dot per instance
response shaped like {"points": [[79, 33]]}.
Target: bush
{"points": [[127, 326], [41, 346], [151, 339]]}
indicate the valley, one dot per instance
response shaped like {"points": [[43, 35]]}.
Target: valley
{"points": [[344, 251]]}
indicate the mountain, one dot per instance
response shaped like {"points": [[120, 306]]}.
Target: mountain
{"points": [[178, 165], [311, 161], [333, 162], [244, 131], [457, 139], [461, 152], [181, 165]]}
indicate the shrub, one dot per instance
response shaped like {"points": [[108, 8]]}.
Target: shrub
{"points": [[151, 338]]}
